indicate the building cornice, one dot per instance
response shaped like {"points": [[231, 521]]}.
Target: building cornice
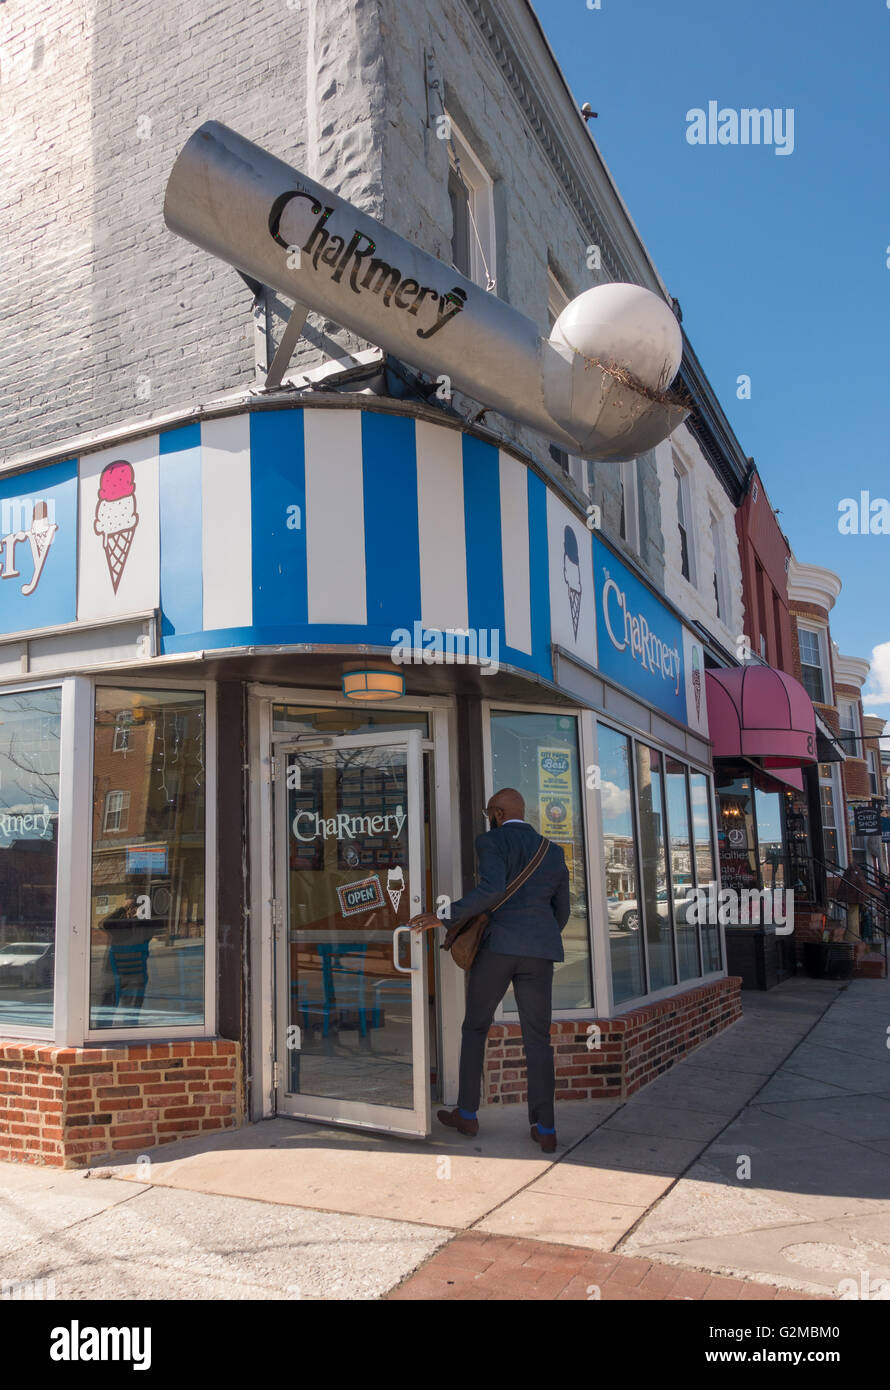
{"points": [[812, 584], [851, 670]]}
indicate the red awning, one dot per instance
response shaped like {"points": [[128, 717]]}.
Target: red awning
{"points": [[758, 712]]}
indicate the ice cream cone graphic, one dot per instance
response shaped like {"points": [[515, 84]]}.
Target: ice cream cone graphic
{"points": [[116, 516], [696, 682], [41, 529], [571, 571], [395, 886]]}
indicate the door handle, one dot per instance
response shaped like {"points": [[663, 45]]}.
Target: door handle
{"points": [[404, 970]]}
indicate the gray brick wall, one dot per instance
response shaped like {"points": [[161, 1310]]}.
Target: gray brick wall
{"points": [[108, 317]]}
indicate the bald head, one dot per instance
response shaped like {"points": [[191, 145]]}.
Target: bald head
{"points": [[506, 804]]}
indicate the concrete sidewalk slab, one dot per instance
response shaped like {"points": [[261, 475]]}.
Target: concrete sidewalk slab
{"points": [[817, 1149], [38, 1203], [449, 1180], [162, 1244]]}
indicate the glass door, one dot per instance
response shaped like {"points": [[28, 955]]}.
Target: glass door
{"points": [[351, 979]]}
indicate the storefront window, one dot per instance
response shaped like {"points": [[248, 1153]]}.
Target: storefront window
{"points": [[148, 863], [653, 865], [682, 870], [705, 875], [538, 755], [30, 725], [830, 823], [736, 836], [770, 841], [620, 854]]}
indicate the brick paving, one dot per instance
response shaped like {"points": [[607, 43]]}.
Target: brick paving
{"points": [[476, 1265]]}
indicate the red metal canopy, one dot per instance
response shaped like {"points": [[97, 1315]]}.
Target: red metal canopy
{"points": [[758, 712]]}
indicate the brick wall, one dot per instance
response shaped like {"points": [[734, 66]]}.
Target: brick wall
{"points": [[633, 1049], [67, 1107]]}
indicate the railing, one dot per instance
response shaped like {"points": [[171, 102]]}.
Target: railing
{"points": [[876, 898]]}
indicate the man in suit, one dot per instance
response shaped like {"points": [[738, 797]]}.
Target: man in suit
{"points": [[520, 944]]}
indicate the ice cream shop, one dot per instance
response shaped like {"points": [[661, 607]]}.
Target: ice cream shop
{"points": [[238, 752], [262, 662]]}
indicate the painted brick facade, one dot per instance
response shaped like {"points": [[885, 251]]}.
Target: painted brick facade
{"points": [[633, 1048], [68, 1107]]}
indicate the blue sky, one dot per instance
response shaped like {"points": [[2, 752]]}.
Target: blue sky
{"points": [[779, 261]]}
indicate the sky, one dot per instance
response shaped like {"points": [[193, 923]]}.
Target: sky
{"points": [[781, 262]]}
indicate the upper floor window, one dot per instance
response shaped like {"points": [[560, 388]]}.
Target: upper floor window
{"points": [[684, 513], [812, 662], [629, 520], [849, 722], [471, 192], [874, 776], [720, 581], [117, 811], [572, 464]]}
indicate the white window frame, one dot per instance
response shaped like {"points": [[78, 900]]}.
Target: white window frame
{"points": [[874, 773], [480, 190], [822, 641], [78, 1024], [833, 782], [557, 300], [121, 809], [69, 854], [720, 570], [683, 499], [853, 728], [628, 481]]}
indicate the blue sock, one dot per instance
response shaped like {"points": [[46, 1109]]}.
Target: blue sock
{"points": [[466, 1114], [542, 1130]]}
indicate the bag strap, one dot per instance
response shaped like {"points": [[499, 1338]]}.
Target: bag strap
{"points": [[533, 864]]}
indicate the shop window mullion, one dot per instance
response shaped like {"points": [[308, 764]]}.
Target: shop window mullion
{"points": [[75, 849], [693, 865], [641, 907]]}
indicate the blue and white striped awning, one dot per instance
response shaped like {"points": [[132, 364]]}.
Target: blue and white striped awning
{"points": [[332, 525]]}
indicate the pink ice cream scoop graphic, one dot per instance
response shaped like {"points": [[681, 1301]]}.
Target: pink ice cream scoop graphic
{"points": [[116, 516]]}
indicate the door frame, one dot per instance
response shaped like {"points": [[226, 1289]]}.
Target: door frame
{"points": [[413, 1122], [446, 876]]}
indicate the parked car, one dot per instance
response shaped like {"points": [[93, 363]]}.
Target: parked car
{"points": [[625, 912], [27, 964]]}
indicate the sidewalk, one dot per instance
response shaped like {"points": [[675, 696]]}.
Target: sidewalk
{"points": [[763, 1157]]}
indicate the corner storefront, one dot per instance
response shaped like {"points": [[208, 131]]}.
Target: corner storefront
{"points": [[261, 669]]}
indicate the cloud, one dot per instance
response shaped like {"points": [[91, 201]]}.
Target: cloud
{"points": [[615, 801], [877, 689]]}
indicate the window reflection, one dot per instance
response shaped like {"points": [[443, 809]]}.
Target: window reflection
{"points": [[620, 853], [653, 861], [30, 727], [147, 918], [705, 875], [682, 873], [538, 755]]}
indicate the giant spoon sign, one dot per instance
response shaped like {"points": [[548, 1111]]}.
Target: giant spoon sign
{"points": [[240, 203]]}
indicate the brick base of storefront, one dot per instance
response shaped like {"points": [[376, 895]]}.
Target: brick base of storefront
{"points": [[631, 1050], [69, 1107]]}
